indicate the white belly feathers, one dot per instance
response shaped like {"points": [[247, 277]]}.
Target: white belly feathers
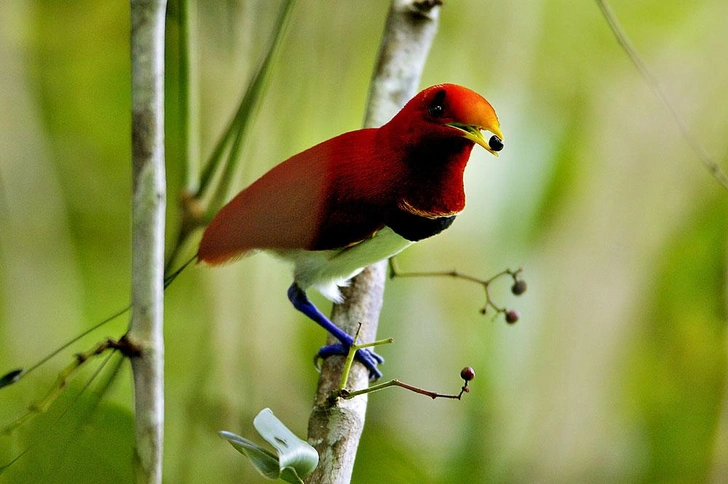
{"points": [[327, 270]]}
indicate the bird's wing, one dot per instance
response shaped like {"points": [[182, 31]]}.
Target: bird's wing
{"points": [[301, 203]]}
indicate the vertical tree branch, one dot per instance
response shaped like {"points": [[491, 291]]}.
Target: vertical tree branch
{"points": [[335, 430], [148, 204]]}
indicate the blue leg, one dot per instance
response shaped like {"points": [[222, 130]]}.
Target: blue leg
{"points": [[368, 358]]}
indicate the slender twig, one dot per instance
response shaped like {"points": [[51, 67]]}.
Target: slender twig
{"points": [[519, 286], [695, 145], [392, 383], [148, 207], [335, 430], [467, 374]]}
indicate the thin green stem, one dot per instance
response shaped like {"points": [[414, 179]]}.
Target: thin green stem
{"points": [[352, 353], [378, 342], [188, 96], [349, 360], [240, 125]]}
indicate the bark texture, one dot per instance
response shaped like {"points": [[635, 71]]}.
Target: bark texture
{"points": [[148, 205]]}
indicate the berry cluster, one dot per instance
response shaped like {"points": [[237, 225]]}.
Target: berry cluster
{"points": [[519, 287]]}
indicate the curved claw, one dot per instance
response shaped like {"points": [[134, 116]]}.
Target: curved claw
{"points": [[366, 357]]}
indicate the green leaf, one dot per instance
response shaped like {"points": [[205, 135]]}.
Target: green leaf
{"points": [[296, 458], [294, 454], [263, 460]]}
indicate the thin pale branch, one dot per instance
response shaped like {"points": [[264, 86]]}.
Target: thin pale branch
{"points": [[148, 206], [335, 430], [695, 145]]}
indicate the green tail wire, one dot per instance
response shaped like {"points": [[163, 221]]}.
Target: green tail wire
{"points": [[70, 370], [17, 374]]}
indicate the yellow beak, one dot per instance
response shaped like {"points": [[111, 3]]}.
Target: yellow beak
{"points": [[474, 134]]}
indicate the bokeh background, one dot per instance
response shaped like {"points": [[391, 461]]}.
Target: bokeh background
{"points": [[616, 371]]}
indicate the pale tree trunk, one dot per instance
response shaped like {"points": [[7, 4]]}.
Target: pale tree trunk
{"points": [[148, 204], [335, 430]]}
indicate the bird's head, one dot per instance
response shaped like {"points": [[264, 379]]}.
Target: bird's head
{"points": [[448, 110]]}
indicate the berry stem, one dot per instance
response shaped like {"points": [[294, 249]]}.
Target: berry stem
{"points": [[346, 395], [485, 283]]}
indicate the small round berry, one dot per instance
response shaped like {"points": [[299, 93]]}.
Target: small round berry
{"points": [[512, 316], [519, 287], [467, 373], [495, 143]]}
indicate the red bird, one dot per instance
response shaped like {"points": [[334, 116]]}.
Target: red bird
{"points": [[358, 198]]}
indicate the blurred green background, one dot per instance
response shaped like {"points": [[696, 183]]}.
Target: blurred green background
{"points": [[616, 371]]}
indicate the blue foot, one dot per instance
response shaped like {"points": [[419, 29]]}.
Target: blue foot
{"points": [[368, 358]]}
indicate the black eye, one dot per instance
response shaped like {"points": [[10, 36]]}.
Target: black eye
{"points": [[495, 143], [437, 108]]}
